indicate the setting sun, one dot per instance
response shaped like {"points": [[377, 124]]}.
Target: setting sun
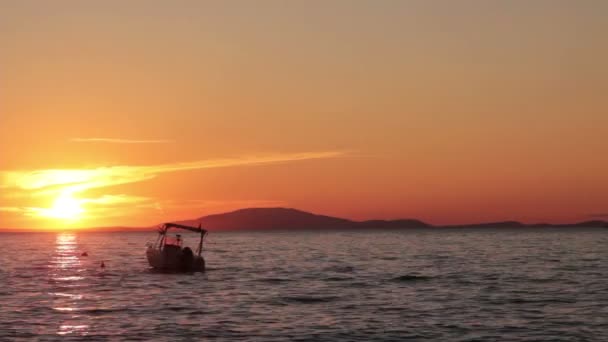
{"points": [[342, 170], [121, 114], [64, 207]]}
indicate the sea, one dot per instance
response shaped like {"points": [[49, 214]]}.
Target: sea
{"points": [[460, 284]]}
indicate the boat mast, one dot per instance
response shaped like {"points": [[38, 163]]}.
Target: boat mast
{"points": [[200, 243]]}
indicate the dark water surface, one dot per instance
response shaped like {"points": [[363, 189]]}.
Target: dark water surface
{"points": [[438, 285]]}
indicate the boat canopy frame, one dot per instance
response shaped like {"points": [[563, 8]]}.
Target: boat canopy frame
{"points": [[164, 228]]}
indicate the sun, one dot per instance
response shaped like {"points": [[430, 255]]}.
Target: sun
{"points": [[65, 207]]}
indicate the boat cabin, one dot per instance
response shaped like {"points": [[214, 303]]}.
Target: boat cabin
{"points": [[168, 253]]}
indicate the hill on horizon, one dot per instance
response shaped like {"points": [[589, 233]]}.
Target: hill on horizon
{"points": [[294, 219], [289, 218]]}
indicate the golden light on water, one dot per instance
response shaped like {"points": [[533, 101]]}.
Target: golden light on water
{"points": [[66, 270]]}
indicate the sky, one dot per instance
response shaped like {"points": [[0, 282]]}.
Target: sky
{"points": [[131, 113]]}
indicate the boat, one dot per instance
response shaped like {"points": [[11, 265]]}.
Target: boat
{"points": [[167, 253]]}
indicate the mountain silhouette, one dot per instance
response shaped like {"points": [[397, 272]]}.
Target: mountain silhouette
{"points": [[294, 219], [291, 219]]}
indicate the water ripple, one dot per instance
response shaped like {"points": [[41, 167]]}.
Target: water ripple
{"points": [[457, 285]]}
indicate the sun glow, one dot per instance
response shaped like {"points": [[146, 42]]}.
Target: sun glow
{"points": [[64, 207], [70, 197]]}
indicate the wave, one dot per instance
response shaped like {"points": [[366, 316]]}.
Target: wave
{"points": [[337, 278], [274, 280], [176, 308], [228, 268], [540, 300], [410, 277], [310, 299], [100, 311], [340, 269]]}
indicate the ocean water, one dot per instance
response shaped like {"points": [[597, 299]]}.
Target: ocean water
{"points": [[424, 285]]}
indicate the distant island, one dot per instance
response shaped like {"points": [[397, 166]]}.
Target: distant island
{"points": [[291, 219], [294, 219]]}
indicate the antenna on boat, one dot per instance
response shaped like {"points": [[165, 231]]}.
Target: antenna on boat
{"points": [[200, 243]]}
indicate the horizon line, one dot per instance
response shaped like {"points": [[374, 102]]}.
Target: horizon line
{"points": [[515, 224]]}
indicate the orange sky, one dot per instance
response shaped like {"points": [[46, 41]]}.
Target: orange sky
{"points": [[138, 112]]}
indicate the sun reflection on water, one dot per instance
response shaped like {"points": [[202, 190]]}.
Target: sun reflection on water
{"points": [[67, 274], [73, 329]]}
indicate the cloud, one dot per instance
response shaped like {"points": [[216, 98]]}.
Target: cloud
{"points": [[110, 200], [78, 180], [25, 211], [11, 209], [120, 141], [70, 184]]}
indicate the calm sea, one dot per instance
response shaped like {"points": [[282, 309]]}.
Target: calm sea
{"points": [[426, 285]]}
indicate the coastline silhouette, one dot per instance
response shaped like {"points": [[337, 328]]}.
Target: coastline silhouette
{"points": [[289, 219]]}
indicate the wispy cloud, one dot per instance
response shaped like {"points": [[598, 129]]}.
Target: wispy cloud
{"points": [[78, 180], [120, 141], [11, 209], [72, 183]]}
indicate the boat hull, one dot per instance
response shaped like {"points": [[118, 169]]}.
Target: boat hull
{"points": [[174, 260]]}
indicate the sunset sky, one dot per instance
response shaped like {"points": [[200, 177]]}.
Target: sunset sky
{"points": [[133, 113]]}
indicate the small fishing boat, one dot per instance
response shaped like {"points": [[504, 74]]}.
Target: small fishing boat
{"points": [[167, 254]]}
